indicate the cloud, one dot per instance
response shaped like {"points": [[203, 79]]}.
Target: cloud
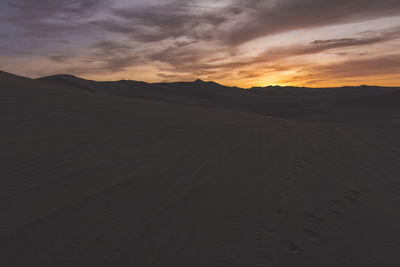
{"points": [[195, 59], [107, 47], [270, 17], [192, 38], [61, 9], [232, 22], [153, 23], [366, 39], [113, 56], [59, 58], [43, 18], [364, 67], [356, 69], [320, 46]]}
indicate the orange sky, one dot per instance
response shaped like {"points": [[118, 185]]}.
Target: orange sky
{"points": [[239, 43]]}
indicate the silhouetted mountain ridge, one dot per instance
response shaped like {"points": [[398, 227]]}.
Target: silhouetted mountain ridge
{"points": [[264, 100]]}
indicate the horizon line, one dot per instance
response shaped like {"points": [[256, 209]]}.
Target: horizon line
{"points": [[199, 80], [211, 81]]}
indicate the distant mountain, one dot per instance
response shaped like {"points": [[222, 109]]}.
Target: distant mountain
{"points": [[198, 93], [198, 87], [264, 100], [69, 80]]}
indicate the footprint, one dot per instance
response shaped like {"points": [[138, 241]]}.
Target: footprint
{"points": [[367, 190], [335, 201], [351, 199], [279, 211], [337, 213], [315, 218], [300, 165], [264, 259], [269, 230], [278, 196], [291, 246], [353, 191], [310, 233]]}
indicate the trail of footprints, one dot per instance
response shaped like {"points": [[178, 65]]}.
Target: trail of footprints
{"points": [[263, 233], [317, 225], [228, 252], [299, 169]]}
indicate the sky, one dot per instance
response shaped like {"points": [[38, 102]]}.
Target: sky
{"points": [[243, 43]]}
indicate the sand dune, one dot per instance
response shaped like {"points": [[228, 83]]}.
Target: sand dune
{"points": [[89, 179], [272, 100]]}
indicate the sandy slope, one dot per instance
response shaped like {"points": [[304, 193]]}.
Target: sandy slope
{"points": [[272, 100], [91, 180]]}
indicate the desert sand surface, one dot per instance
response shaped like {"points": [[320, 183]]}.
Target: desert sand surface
{"points": [[308, 177]]}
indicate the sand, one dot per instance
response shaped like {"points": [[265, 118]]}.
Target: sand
{"points": [[89, 179]]}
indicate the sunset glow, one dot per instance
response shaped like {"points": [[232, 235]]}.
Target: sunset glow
{"points": [[239, 43]]}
